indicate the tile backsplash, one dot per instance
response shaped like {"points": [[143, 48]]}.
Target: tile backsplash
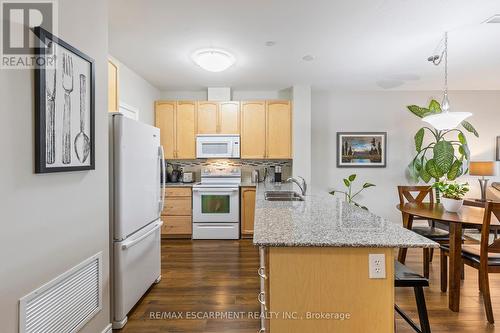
{"points": [[247, 166]]}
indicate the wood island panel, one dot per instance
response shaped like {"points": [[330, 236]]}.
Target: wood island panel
{"points": [[330, 280]]}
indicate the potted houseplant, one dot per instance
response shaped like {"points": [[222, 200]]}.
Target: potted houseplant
{"points": [[452, 194], [440, 155]]}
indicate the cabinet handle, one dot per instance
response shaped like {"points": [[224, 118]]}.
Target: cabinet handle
{"points": [[262, 298], [262, 272]]}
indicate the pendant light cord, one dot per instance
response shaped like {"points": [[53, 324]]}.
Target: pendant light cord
{"points": [[446, 63]]}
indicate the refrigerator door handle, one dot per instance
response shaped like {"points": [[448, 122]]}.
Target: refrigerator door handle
{"points": [[136, 241], [164, 178]]}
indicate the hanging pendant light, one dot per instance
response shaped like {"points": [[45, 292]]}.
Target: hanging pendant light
{"points": [[446, 119]]}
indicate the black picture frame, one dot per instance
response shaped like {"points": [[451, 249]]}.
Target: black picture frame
{"points": [[340, 146], [41, 51], [498, 148]]}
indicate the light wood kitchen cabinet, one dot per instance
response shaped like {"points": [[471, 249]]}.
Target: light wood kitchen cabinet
{"points": [[186, 130], [229, 117], [265, 127], [253, 130], [177, 213], [208, 118], [247, 211], [279, 130], [165, 121], [266, 130], [218, 117], [178, 125], [113, 103]]}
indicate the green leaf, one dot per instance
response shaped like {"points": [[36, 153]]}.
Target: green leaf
{"points": [[367, 185], [455, 170], [417, 165], [461, 138], [464, 151], [419, 139], [360, 206], [418, 111], [433, 170], [352, 178], [434, 106], [413, 172], [444, 155], [347, 182], [426, 177], [470, 128]]}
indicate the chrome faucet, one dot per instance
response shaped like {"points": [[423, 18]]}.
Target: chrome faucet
{"points": [[301, 184]]}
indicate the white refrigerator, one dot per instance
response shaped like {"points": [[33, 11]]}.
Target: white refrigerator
{"points": [[137, 196]]}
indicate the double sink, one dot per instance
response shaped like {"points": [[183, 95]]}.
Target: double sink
{"points": [[282, 196]]}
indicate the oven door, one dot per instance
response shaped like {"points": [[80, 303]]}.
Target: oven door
{"points": [[213, 204]]}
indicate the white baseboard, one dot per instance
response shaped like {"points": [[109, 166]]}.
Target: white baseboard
{"points": [[107, 329]]}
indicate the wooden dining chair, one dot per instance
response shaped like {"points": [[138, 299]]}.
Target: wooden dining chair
{"points": [[483, 257], [419, 194]]}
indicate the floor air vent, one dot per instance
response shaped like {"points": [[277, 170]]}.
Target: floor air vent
{"points": [[66, 303]]}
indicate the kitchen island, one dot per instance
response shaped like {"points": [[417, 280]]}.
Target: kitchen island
{"points": [[314, 270]]}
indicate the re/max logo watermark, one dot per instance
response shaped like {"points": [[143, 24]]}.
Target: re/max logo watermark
{"points": [[18, 41]]}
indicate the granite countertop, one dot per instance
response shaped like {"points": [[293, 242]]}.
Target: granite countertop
{"points": [[242, 184], [169, 184], [247, 183], [323, 220]]}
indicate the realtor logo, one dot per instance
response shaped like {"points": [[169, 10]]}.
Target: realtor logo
{"points": [[17, 39]]}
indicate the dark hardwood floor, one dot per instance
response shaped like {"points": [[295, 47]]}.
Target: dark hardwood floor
{"points": [[217, 276]]}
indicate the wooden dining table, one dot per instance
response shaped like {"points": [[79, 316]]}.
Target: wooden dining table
{"points": [[468, 216]]}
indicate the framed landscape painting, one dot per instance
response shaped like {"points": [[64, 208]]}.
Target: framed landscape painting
{"points": [[361, 149]]}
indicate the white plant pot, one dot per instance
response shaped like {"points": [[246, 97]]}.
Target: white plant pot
{"points": [[452, 205]]}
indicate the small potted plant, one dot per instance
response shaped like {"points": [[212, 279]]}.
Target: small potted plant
{"points": [[452, 194], [348, 193]]}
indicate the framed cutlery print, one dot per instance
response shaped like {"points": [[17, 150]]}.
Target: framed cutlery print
{"points": [[64, 106]]}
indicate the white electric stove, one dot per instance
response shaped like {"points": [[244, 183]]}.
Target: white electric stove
{"points": [[216, 204]]}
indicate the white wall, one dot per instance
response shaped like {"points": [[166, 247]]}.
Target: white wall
{"points": [[52, 222], [301, 99], [133, 90], [237, 95], [334, 112]]}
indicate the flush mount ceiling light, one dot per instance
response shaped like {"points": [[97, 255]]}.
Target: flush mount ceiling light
{"points": [[213, 60], [494, 19], [445, 120]]}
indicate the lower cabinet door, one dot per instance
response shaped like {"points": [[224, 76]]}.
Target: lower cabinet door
{"points": [[247, 211], [177, 226]]}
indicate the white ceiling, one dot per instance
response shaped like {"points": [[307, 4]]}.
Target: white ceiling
{"points": [[357, 44]]}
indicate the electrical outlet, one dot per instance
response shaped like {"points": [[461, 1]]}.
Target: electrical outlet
{"points": [[376, 266]]}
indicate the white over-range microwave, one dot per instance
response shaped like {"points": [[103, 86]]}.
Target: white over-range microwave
{"points": [[218, 146]]}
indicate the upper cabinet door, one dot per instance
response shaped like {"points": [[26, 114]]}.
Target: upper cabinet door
{"points": [[208, 118], [253, 130], [186, 130], [229, 118], [165, 121], [279, 129], [112, 87]]}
